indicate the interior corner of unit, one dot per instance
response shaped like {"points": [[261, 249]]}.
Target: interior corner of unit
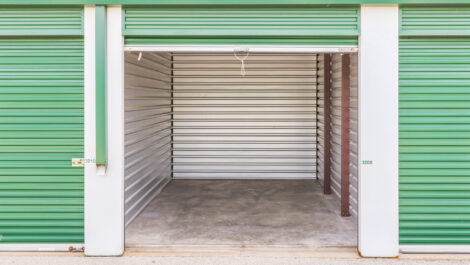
{"points": [[217, 133]]}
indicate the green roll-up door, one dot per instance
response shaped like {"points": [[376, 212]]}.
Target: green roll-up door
{"points": [[435, 125], [41, 130], [435, 141], [41, 21], [435, 21], [241, 25], [41, 124]]}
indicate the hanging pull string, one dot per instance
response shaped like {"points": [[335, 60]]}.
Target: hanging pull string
{"points": [[241, 55], [140, 56]]}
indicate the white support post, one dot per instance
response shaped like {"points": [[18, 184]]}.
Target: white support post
{"points": [[104, 194], [378, 131]]}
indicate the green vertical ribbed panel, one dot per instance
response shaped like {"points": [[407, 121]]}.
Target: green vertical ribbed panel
{"points": [[435, 141], [262, 25], [41, 130], [41, 21], [435, 21], [100, 84]]}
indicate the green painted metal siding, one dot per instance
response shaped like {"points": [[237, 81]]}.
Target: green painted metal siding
{"points": [[435, 21], [100, 82], [41, 21], [41, 130], [244, 41], [240, 25], [435, 141]]}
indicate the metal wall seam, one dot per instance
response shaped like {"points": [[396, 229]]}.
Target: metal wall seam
{"points": [[261, 125], [148, 130]]}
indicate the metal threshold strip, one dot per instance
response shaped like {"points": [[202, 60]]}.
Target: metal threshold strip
{"points": [[434, 249], [42, 247], [251, 48]]}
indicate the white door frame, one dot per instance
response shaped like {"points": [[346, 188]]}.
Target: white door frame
{"points": [[104, 192], [251, 48], [378, 120], [378, 132]]}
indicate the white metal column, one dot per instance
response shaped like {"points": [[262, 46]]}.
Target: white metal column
{"points": [[104, 194], [378, 131]]}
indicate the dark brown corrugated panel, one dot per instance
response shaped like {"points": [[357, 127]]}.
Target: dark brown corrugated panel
{"points": [[320, 118], [345, 86], [332, 121], [327, 123]]}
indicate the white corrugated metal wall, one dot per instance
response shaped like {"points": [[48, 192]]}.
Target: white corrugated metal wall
{"points": [[262, 125], [353, 135], [147, 129], [336, 74]]}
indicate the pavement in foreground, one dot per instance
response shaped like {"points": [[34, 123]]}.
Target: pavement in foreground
{"points": [[144, 260]]}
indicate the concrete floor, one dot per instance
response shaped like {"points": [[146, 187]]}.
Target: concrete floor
{"points": [[242, 212]]}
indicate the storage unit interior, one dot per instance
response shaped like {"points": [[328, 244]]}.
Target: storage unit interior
{"points": [[216, 157]]}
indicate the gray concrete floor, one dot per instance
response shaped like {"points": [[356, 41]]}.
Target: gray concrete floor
{"points": [[242, 212]]}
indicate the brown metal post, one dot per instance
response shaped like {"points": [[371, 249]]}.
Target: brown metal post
{"points": [[327, 125], [345, 96]]}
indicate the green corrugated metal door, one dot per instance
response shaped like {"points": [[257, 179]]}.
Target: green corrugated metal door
{"points": [[41, 130], [241, 25], [41, 21], [435, 127], [41, 126]]}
